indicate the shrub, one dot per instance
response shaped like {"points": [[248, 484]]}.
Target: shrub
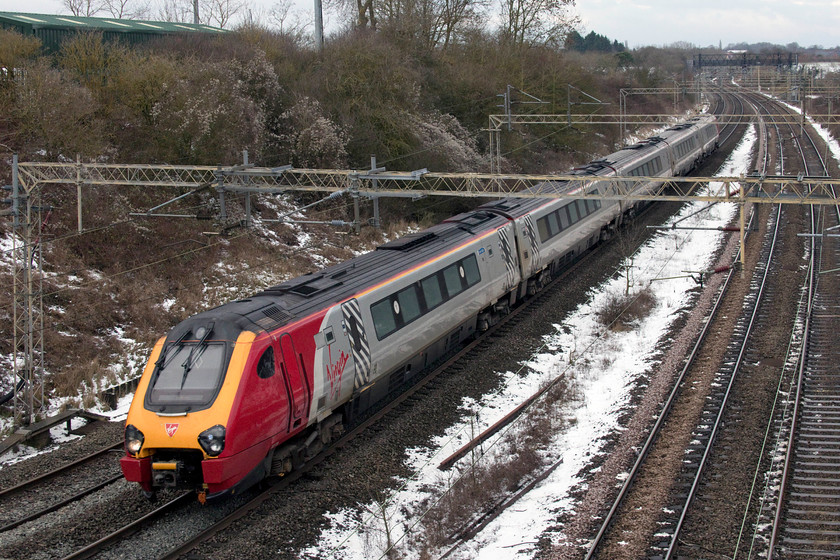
{"points": [[621, 310]]}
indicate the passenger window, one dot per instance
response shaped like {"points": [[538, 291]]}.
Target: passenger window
{"points": [[564, 218], [473, 276], [265, 365], [383, 318], [452, 279], [431, 291], [542, 226], [409, 304], [553, 226], [573, 213]]}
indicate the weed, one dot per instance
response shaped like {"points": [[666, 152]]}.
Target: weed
{"points": [[620, 311]]}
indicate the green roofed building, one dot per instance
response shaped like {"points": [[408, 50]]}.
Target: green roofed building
{"points": [[52, 30]]}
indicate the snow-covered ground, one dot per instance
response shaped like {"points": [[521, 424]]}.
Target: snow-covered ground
{"points": [[605, 368]]}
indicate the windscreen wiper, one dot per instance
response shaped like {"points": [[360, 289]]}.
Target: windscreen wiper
{"points": [[188, 363], [161, 363]]}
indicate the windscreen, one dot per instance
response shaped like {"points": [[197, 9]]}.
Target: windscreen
{"points": [[188, 374]]}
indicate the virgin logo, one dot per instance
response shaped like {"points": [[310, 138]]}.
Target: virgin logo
{"points": [[334, 373], [171, 429]]}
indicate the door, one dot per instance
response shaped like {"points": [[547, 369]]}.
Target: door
{"points": [[355, 330], [298, 387]]}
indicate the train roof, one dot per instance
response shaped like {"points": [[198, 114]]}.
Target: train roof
{"points": [[300, 297]]}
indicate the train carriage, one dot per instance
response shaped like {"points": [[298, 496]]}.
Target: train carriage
{"points": [[255, 387]]}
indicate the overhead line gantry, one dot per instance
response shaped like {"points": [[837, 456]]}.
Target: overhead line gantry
{"points": [[29, 178]]}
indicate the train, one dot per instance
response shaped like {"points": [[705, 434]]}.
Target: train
{"points": [[256, 387]]}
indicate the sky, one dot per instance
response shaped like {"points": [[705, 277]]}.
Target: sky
{"points": [[651, 22], [711, 22]]}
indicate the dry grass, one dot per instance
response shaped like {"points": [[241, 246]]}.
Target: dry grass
{"points": [[622, 310], [487, 479], [119, 273]]}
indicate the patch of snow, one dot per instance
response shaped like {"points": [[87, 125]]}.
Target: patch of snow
{"points": [[620, 358]]}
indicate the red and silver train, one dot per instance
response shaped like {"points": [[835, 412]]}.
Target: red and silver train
{"points": [[255, 387]]}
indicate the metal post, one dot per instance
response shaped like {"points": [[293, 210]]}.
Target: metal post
{"points": [[220, 188], [569, 104], [247, 194], [353, 189], [498, 153], [19, 315], [374, 183], [742, 224], [28, 353], [79, 191], [319, 26], [491, 132], [507, 107], [622, 109]]}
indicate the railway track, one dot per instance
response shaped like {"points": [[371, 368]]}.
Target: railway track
{"points": [[94, 548], [718, 421], [262, 498], [38, 496], [806, 518], [393, 409], [481, 519], [696, 455]]}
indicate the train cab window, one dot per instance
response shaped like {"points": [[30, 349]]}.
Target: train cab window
{"points": [[383, 318], [188, 374], [452, 280], [265, 365], [472, 275], [409, 304], [431, 291]]}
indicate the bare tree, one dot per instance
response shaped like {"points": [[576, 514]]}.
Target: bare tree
{"points": [[178, 11], [220, 12], [433, 22], [526, 22], [287, 20], [128, 9], [452, 15], [366, 14], [83, 8]]}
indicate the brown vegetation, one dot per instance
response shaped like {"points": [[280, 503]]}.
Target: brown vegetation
{"points": [[487, 479], [622, 310], [202, 101]]}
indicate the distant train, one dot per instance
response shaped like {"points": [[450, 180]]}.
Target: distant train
{"points": [[256, 387]]}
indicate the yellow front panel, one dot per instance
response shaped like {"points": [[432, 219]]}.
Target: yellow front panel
{"points": [[181, 432]]}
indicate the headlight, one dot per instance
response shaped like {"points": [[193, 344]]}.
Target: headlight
{"points": [[212, 440], [133, 439]]}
